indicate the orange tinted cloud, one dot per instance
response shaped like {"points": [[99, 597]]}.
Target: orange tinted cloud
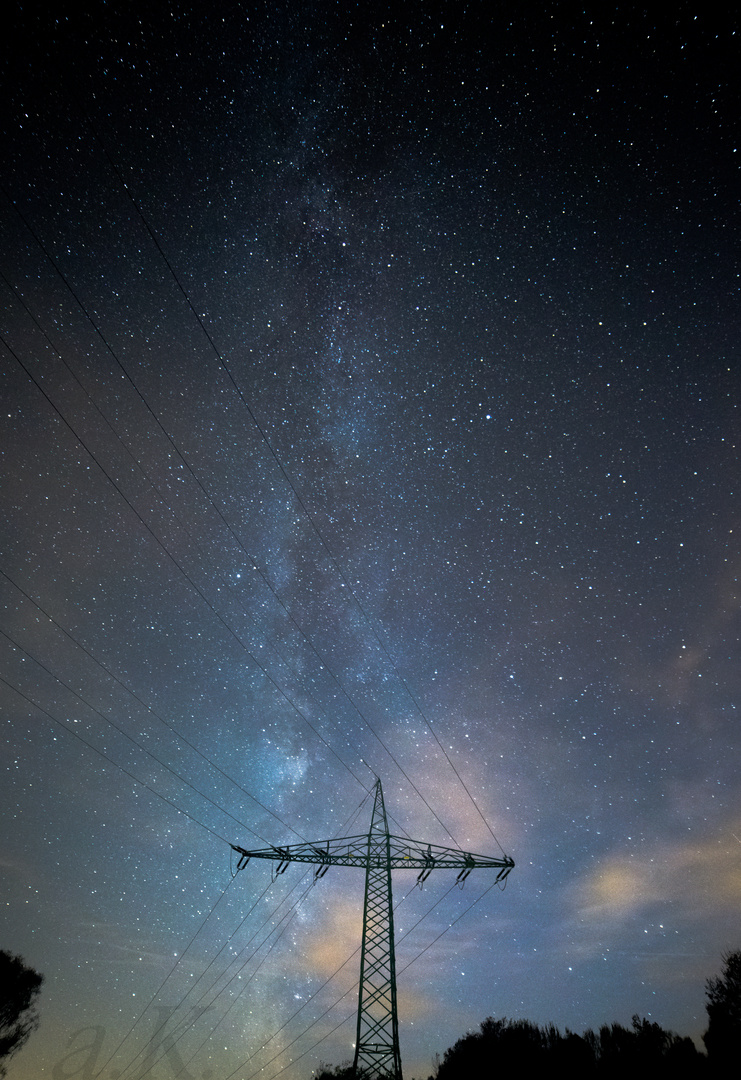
{"points": [[697, 875]]}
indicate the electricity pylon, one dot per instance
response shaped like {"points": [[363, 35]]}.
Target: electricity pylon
{"points": [[377, 1041]]}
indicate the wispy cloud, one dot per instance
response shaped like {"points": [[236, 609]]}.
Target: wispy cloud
{"points": [[701, 875]]}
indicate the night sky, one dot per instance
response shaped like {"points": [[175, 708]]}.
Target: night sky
{"points": [[370, 383]]}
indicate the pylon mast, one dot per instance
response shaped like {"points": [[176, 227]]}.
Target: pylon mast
{"points": [[377, 1054], [377, 1039]]}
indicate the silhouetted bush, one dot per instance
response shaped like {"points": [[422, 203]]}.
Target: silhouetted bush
{"points": [[723, 1037], [645, 1050], [19, 990], [335, 1072]]}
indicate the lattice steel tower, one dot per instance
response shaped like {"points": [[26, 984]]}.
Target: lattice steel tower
{"points": [[377, 1040]]}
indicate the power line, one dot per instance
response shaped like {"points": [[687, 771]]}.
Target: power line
{"points": [[287, 918], [354, 987], [149, 709], [159, 989], [448, 927], [197, 589], [350, 990], [273, 454], [183, 458], [296, 494], [173, 1034], [112, 761], [88, 395], [321, 659], [347, 825], [182, 570], [121, 731]]}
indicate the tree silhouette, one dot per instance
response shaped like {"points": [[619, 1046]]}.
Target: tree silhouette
{"points": [[504, 1044], [644, 1051], [19, 989], [337, 1072], [723, 1037]]}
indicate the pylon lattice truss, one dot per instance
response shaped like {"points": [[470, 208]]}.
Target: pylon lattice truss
{"points": [[377, 1054]]}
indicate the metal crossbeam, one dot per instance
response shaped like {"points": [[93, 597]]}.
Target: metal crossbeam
{"points": [[403, 854], [378, 852]]}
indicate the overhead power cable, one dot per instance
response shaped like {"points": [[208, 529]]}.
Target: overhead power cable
{"points": [[448, 927], [309, 516], [121, 731], [196, 588], [167, 976], [273, 454], [183, 1028], [149, 708], [210, 499], [268, 919], [287, 919], [154, 713], [251, 559], [347, 992], [180, 568], [91, 400], [345, 1020], [112, 761]]}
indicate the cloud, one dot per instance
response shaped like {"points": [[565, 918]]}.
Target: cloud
{"points": [[697, 876], [413, 1005], [335, 939]]}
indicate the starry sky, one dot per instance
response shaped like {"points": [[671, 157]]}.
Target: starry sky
{"points": [[370, 382]]}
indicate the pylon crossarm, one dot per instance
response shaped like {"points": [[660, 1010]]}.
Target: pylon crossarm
{"points": [[377, 1055], [356, 851]]}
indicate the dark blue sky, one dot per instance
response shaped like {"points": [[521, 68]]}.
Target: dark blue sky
{"points": [[370, 404]]}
